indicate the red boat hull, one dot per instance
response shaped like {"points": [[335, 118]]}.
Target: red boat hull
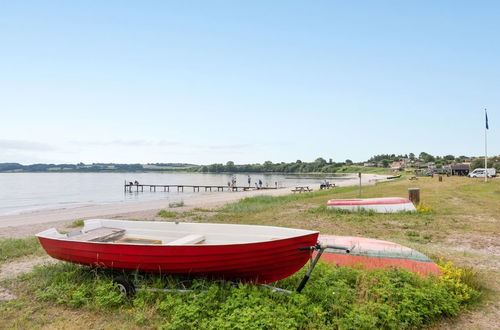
{"points": [[261, 262]]}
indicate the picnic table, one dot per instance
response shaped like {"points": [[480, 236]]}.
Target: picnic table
{"points": [[326, 185], [301, 189]]}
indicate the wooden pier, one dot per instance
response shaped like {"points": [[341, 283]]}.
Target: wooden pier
{"points": [[180, 188]]}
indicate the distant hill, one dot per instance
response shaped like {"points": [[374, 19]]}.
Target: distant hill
{"points": [[96, 167]]}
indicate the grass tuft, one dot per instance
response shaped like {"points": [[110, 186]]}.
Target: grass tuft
{"points": [[176, 204], [77, 223], [166, 214], [11, 248]]}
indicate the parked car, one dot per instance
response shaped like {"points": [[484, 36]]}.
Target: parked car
{"points": [[481, 172]]}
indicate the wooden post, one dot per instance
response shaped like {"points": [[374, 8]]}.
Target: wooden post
{"points": [[359, 174], [414, 195]]}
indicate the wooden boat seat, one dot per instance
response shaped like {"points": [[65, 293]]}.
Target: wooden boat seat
{"points": [[102, 234], [189, 239], [134, 240]]}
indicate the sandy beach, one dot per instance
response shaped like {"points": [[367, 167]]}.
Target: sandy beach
{"points": [[26, 224]]}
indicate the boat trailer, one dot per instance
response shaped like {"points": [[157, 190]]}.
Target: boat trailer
{"points": [[319, 248], [127, 288]]}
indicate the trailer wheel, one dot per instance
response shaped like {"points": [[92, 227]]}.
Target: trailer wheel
{"points": [[126, 287]]}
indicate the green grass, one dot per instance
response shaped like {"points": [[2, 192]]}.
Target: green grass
{"points": [[11, 248], [337, 297], [77, 223], [262, 203], [166, 214]]}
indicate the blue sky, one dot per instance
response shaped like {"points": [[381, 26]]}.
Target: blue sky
{"points": [[247, 81]]}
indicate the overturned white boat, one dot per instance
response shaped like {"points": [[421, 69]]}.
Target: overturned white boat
{"points": [[379, 205]]}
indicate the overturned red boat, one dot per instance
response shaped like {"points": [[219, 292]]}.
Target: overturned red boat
{"points": [[259, 254], [373, 253]]}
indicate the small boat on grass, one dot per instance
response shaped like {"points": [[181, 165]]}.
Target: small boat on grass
{"points": [[373, 253], [258, 254], [379, 205]]}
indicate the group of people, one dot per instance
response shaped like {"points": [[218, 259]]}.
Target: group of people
{"points": [[258, 184], [232, 183]]}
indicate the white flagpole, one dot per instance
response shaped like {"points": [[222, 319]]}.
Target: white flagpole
{"points": [[485, 149]]}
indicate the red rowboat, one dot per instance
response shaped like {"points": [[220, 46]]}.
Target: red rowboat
{"points": [[380, 205], [259, 254], [373, 253]]}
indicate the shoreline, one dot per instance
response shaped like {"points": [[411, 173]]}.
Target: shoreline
{"points": [[30, 223]]}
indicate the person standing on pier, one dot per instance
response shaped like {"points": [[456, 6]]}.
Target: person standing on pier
{"points": [[249, 180]]}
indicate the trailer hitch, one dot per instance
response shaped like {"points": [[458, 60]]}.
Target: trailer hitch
{"points": [[319, 248]]}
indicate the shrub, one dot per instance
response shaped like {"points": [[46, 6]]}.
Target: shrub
{"points": [[335, 297], [166, 214], [77, 223], [176, 204], [422, 208]]}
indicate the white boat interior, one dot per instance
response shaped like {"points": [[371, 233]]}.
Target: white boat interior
{"points": [[172, 233]]}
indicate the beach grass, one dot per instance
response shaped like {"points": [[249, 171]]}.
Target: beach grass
{"points": [[337, 297], [166, 214], [76, 223], [12, 248]]}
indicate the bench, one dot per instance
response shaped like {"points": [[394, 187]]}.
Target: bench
{"points": [[326, 185], [188, 240]]}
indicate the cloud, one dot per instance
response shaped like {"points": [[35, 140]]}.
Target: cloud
{"points": [[20, 145]]}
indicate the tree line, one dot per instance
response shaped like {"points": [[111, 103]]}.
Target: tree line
{"points": [[320, 165]]}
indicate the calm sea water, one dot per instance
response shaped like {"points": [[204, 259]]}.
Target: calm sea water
{"points": [[21, 192]]}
